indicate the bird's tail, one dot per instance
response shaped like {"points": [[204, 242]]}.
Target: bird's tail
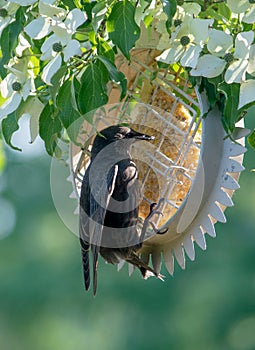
{"points": [[95, 251], [145, 269], [85, 247]]}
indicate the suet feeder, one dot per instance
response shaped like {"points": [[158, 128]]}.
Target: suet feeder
{"points": [[191, 165]]}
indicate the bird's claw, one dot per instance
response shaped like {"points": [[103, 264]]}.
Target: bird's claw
{"points": [[154, 210], [157, 231]]}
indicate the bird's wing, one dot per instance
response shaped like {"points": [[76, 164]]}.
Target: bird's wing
{"points": [[83, 229], [101, 189]]}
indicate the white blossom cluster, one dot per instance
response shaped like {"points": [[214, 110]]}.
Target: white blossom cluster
{"points": [[209, 52], [52, 22], [48, 41]]}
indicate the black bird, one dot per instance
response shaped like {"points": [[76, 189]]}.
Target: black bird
{"points": [[109, 203]]}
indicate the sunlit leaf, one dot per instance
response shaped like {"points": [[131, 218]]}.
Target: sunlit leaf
{"points": [[115, 75], [251, 139], [69, 117], [93, 90], [50, 128], [9, 126], [122, 28], [169, 8], [231, 113], [8, 43], [104, 49]]}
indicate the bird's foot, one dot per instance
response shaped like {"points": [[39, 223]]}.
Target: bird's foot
{"points": [[157, 231], [155, 209], [149, 273]]}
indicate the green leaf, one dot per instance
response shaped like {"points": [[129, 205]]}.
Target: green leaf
{"points": [[55, 80], [122, 28], [251, 139], [8, 43], [211, 86], [69, 3], [88, 7], [70, 118], [231, 113], [50, 128], [93, 90], [169, 8], [2, 156], [104, 49], [224, 10], [98, 14], [115, 75], [9, 126], [76, 87]]}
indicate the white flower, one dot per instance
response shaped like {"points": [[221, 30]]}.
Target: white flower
{"points": [[211, 65], [15, 87], [243, 6], [187, 42], [220, 46], [41, 26], [30, 2], [246, 93], [63, 28], [22, 45], [236, 72], [7, 11], [183, 15]]}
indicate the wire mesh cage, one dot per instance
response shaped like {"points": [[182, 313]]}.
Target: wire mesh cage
{"points": [[189, 165], [154, 105]]}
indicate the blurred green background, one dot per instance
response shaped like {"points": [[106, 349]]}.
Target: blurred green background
{"points": [[210, 305]]}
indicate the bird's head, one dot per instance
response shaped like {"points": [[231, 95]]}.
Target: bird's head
{"points": [[123, 136]]}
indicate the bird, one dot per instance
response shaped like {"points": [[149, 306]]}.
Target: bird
{"points": [[109, 204]]}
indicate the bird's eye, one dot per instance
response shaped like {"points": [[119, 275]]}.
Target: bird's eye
{"points": [[130, 134]]}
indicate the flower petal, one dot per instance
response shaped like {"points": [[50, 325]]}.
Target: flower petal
{"points": [[246, 93], [51, 68], [19, 70], [61, 31], [208, 66], [23, 2], [219, 42], [190, 56], [238, 6], [199, 28], [192, 9], [71, 49], [51, 2], [49, 42], [6, 85], [22, 46], [27, 88], [242, 44], [74, 19], [38, 28], [171, 55], [10, 105], [49, 10], [236, 72], [48, 55], [249, 16], [47, 51], [251, 65]]}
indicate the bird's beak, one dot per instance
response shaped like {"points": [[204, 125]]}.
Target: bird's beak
{"points": [[139, 136], [145, 137]]}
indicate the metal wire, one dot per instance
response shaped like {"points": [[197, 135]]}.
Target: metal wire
{"points": [[160, 163]]}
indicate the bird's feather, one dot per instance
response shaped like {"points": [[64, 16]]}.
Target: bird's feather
{"points": [[92, 217]]}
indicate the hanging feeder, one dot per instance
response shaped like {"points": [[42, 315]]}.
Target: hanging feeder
{"points": [[191, 166]]}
